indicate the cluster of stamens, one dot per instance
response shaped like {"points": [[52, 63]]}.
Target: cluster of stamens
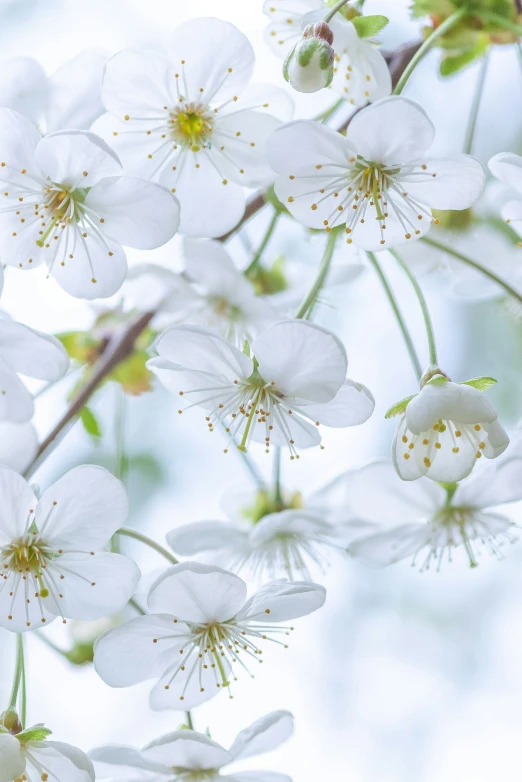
{"points": [[431, 440]]}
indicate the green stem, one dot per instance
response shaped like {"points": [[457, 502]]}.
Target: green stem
{"points": [[132, 533], [474, 264], [137, 607], [266, 238], [506, 24], [23, 708], [43, 637], [475, 105], [318, 283], [337, 7], [249, 463], [188, 717], [424, 307], [437, 33], [327, 113], [122, 463], [19, 671], [278, 495], [398, 315]]}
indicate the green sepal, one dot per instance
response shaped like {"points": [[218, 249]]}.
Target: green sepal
{"points": [[452, 63], [399, 407], [368, 26], [441, 8], [37, 733], [90, 423], [481, 383], [305, 50]]}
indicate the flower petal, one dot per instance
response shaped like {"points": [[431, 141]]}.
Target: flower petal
{"points": [[18, 500], [189, 540], [197, 593], [448, 401], [496, 484], [193, 347], [303, 147], [208, 264], [95, 272], [258, 776], [392, 545], [74, 99], [18, 141], [458, 182], [32, 352], [285, 17], [120, 762], [63, 761], [13, 762], [188, 750], [139, 84], [76, 157], [16, 403], [182, 689], [279, 601], [18, 445], [507, 167], [352, 405], [23, 86], [512, 214], [264, 735]]}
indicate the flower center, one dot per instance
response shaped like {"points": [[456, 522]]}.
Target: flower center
{"points": [[191, 125], [195, 775], [265, 504], [444, 434], [27, 555]]}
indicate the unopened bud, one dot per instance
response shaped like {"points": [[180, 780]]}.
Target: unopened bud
{"points": [[11, 721], [319, 30], [309, 65]]}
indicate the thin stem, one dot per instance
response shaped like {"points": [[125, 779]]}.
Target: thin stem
{"points": [[249, 464], [327, 113], [337, 7], [122, 463], [322, 273], [278, 495], [188, 717], [47, 641], [437, 33], [424, 307], [19, 671], [501, 21], [132, 533], [23, 706], [474, 264], [398, 315], [266, 238], [137, 607], [475, 105]]}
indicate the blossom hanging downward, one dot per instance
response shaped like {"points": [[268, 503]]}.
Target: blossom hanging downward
{"points": [[309, 65], [194, 757], [25, 351], [377, 180], [52, 561], [426, 521], [66, 203], [202, 629], [296, 371], [444, 431], [191, 124], [507, 167]]}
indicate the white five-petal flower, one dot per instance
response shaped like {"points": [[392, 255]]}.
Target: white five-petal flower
{"points": [[296, 371], [194, 757], [445, 429], [66, 203], [52, 561], [25, 351], [378, 181], [191, 124], [42, 760], [507, 167], [201, 630], [426, 521]]}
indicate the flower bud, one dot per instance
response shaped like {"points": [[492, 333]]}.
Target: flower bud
{"points": [[309, 65], [10, 720]]}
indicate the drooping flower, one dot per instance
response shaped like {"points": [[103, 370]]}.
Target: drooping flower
{"points": [[52, 561], [194, 757], [27, 352], [428, 521], [66, 203], [507, 167], [295, 371], [378, 180], [444, 431], [191, 124], [201, 630], [309, 66], [18, 445], [210, 292]]}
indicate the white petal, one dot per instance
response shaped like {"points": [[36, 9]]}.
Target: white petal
{"points": [[17, 500], [128, 655], [264, 735], [293, 428], [16, 403], [392, 545], [239, 149], [392, 131], [120, 762], [12, 762], [135, 213], [138, 84], [352, 405], [83, 509], [300, 147], [496, 484], [279, 601], [189, 540], [32, 352], [18, 445], [74, 100], [152, 287], [285, 22], [196, 348], [63, 761], [187, 749], [507, 167], [448, 401], [264, 97], [208, 264], [512, 214], [304, 360], [76, 157], [179, 689], [96, 271], [497, 440], [402, 221], [20, 610], [258, 776], [23, 86], [459, 181], [18, 141], [214, 56], [358, 60], [197, 593]]}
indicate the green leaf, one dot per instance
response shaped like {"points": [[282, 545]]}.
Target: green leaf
{"points": [[482, 383], [399, 407], [367, 26], [453, 63], [90, 424], [36, 733], [440, 8]]}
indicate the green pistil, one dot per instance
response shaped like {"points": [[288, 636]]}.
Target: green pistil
{"points": [[56, 219], [242, 445], [375, 189]]}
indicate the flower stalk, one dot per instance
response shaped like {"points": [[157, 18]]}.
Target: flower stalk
{"points": [[19, 677], [266, 238], [475, 106], [132, 533], [310, 298], [337, 7]]}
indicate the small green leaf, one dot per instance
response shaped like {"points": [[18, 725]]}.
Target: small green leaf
{"points": [[482, 383], [90, 424], [453, 63], [368, 26], [36, 733], [399, 407]]}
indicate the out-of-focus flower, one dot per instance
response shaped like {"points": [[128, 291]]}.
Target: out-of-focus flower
{"points": [[192, 124], [67, 204], [294, 371], [377, 180], [309, 66], [51, 550], [194, 756], [507, 167], [18, 445], [428, 521], [200, 624]]}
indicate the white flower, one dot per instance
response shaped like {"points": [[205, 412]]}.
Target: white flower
{"points": [[361, 74], [424, 519], [445, 429], [52, 561], [191, 124], [65, 204], [309, 65], [18, 445], [507, 167], [24, 758], [27, 352], [201, 630], [296, 371], [377, 180], [194, 757], [210, 292]]}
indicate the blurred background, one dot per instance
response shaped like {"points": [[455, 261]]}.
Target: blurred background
{"points": [[402, 677]]}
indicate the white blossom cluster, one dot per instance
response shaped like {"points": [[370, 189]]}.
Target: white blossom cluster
{"points": [[127, 151]]}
